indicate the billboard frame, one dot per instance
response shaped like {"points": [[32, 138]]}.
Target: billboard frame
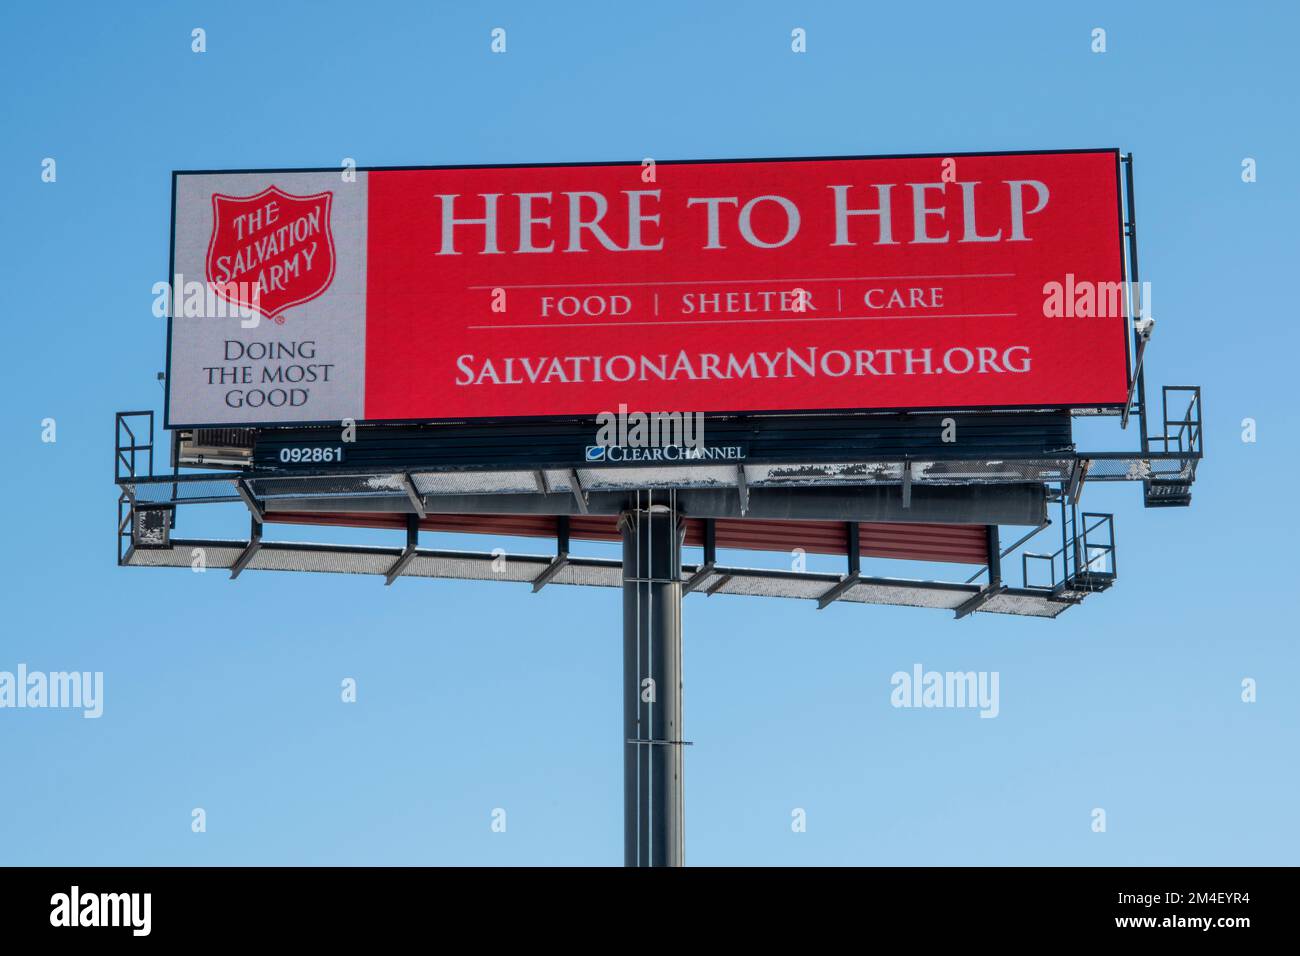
{"points": [[1127, 243]]}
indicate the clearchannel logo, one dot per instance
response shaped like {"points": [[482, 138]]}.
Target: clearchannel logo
{"points": [[619, 454]]}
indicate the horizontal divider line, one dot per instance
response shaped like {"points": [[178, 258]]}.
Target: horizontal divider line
{"points": [[835, 318], [706, 282]]}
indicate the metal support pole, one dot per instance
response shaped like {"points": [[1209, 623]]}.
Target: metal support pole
{"points": [[1136, 284], [994, 557], [653, 792]]}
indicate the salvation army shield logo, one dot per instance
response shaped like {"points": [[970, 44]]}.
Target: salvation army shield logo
{"points": [[271, 251]]}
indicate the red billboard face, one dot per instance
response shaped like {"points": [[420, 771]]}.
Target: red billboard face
{"points": [[839, 284]]}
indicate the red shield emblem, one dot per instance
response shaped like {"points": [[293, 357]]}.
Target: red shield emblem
{"points": [[271, 251]]}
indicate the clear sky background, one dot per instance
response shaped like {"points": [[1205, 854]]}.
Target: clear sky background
{"points": [[474, 696]]}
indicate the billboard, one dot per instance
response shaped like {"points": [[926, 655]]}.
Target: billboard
{"points": [[471, 293]]}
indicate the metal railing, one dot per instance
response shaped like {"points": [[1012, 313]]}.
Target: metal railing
{"points": [[129, 444], [1086, 558], [1181, 435]]}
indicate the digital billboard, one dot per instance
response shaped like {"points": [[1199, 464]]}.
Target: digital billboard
{"points": [[450, 294]]}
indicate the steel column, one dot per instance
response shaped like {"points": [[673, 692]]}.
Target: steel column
{"points": [[1135, 285], [995, 557], [653, 791]]}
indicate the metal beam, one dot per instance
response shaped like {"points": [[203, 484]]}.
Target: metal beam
{"points": [[246, 493], [580, 498], [717, 585], [561, 559], [1010, 504], [416, 502], [907, 485], [408, 554], [742, 489], [973, 604], [1133, 384], [1077, 477], [854, 553], [250, 551], [993, 552], [699, 577], [1138, 379], [558, 564], [994, 545], [710, 557], [837, 590]]}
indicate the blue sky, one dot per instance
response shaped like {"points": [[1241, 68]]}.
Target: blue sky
{"points": [[474, 696]]}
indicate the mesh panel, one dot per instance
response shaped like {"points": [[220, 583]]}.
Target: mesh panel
{"points": [[907, 595], [679, 476], [557, 479], [476, 567], [860, 473], [180, 490], [328, 486], [1024, 605], [1137, 469], [351, 561], [961, 472], [182, 556], [592, 575], [476, 482], [756, 586]]}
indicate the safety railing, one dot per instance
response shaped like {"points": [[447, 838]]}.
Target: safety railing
{"points": [[1085, 560], [133, 439], [1180, 434]]}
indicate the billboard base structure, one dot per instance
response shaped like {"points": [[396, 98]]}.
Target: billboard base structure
{"points": [[654, 796], [891, 484], [814, 442], [1048, 599], [1049, 581], [947, 512]]}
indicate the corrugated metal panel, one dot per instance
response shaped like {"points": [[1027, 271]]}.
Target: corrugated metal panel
{"points": [[955, 544]]}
